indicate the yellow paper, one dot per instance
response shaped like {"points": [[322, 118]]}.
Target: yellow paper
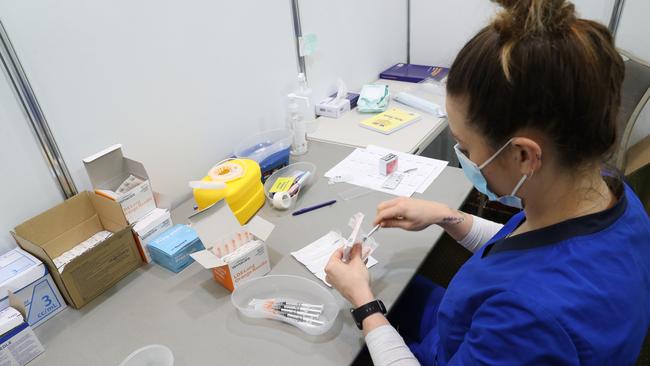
{"points": [[282, 184], [390, 121]]}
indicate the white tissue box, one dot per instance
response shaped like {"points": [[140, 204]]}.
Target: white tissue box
{"points": [[332, 107]]}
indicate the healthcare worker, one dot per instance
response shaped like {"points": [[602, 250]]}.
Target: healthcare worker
{"points": [[532, 102]]}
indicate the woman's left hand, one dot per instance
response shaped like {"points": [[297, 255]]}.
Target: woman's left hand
{"points": [[351, 279]]}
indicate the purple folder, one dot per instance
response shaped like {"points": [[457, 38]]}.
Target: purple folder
{"points": [[414, 73]]}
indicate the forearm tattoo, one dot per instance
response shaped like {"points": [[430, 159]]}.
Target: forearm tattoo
{"points": [[454, 220]]}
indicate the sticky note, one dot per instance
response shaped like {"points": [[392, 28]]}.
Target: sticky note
{"points": [[282, 184], [308, 44]]}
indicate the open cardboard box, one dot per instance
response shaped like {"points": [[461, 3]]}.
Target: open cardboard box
{"points": [[108, 168], [217, 221], [62, 227]]}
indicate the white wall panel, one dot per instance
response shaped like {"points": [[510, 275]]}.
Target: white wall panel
{"points": [[178, 83], [356, 41], [27, 187]]}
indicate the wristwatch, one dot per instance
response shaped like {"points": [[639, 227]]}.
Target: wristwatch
{"points": [[364, 311]]}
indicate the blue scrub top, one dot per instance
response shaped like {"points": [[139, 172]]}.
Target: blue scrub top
{"points": [[574, 293]]}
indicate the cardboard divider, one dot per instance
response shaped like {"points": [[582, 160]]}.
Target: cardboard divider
{"points": [[111, 216], [57, 220], [71, 238]]}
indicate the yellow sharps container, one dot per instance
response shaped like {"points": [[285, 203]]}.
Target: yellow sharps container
{"points": [[244, 191]]}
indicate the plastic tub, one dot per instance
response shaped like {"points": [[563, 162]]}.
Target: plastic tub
{"points": [[288, 287], [270, 149], [151, 355], [280, 200]]}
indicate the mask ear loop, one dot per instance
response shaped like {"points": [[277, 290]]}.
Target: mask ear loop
{"points": [[521, 182], [489, 160]]}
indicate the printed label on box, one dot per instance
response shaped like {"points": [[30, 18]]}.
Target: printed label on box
{"points": [[19, 346], [138, 202], [44, 302]]}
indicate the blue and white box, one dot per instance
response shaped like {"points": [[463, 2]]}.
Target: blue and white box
{"points": [[18, 343], [173, 247], [27, 277]]}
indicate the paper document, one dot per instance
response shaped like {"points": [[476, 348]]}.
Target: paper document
{"points": [[316, 255], [361, 168]]}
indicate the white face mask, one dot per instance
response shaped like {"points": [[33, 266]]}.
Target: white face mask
{"points": [[473, 173]]}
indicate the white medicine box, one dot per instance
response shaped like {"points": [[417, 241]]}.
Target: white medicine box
{"points": [[18, 343], [123, 180], [28, 279], [148, 228], [231, 264]]}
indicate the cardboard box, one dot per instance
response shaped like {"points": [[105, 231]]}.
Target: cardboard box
{"points": [[19, 345], [62, 227], [172, 248], [108, 169], [28, 279], [149, 227], [212, 224]]}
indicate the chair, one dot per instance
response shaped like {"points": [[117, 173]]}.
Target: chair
{"points": [[635, 94]]}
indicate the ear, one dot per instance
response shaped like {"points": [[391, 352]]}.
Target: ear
{"points": [[527, 154]]}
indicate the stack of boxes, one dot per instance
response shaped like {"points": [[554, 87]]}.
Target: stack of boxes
{"points": [[122, 204], [126, 181]]}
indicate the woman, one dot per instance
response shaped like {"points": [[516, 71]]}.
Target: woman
{"points": [[532, 102]]}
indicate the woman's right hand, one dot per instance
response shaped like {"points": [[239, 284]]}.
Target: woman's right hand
{"points": [[413, 214]]}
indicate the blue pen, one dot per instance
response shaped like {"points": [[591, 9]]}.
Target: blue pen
{"points": [[312, 208]]}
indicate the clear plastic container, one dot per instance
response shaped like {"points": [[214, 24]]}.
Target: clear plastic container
{"points": [[261, 146], [151, 355], [287, 287], [287, 200]]}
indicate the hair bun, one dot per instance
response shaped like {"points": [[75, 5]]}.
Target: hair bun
{"points": [[523, 18]]}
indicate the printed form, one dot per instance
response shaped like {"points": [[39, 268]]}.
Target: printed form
{"points": [[361, 168]]}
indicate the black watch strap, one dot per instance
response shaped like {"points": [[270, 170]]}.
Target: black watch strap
{"points": [[364, 311]]}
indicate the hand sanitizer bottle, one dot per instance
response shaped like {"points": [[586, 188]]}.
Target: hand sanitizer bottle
{"points": [[304, 100], [297, 126]]}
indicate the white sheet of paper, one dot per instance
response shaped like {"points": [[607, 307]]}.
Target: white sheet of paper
{"points": [[408, 161], [316, 255], [362, 166]]}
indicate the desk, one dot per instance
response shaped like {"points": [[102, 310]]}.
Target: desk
{"points": [[192, 315], [412, 139]]}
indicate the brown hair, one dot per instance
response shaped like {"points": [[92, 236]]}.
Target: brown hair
{"points": [[538, 66]]}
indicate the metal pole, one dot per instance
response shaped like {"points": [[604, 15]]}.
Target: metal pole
{"points": [[615, 19], [297, 28], [35, 115], [408, 31]]}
